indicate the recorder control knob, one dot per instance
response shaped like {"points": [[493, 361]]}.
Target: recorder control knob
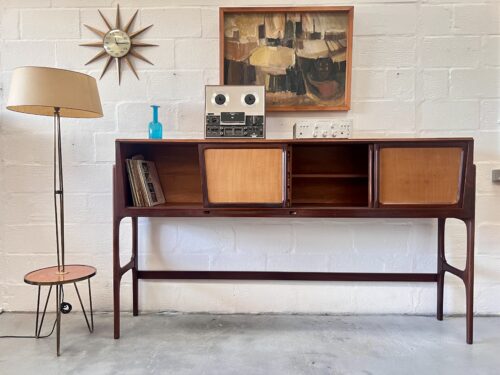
{"points": [[220, 99], [250, 99]]}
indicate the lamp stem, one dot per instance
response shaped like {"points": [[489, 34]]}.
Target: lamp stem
{"points": [[58, 192]]}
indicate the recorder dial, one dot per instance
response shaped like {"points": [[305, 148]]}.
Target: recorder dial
{"points": [[250, 99], [220, 99]]}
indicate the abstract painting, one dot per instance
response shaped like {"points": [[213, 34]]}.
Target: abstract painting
{"points": [[302, 55]]}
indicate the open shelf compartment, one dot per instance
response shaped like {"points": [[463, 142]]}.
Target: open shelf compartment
{"points": [[178, 169], [330, 175]]}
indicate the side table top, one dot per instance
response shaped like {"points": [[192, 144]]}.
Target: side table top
{"points": [[49, 275]]}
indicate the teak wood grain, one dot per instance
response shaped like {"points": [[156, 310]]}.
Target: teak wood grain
{"points": [[418, 175], [179, 172], [50, 276], [327, 178], [355, 178], [244, 175]]}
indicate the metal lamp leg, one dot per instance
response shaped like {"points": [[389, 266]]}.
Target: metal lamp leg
{"points": [[37, 311], [38, 329], [58, 315], [89, 325], [58, 192], [91, 309], [59, 300]]}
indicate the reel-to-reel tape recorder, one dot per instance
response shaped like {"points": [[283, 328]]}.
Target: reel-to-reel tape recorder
{"points": [[235, 112]]}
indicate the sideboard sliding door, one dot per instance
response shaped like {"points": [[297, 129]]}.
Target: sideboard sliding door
{"points": [[251, 175], [420, 175]]}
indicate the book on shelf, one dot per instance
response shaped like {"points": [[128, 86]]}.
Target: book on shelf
{"points": [[145, 186]]}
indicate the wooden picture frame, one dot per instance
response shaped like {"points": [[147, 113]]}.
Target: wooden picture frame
{"points": [[299, 76]]}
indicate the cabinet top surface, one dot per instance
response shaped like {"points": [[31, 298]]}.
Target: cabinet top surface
{"points": [[294, 141]]}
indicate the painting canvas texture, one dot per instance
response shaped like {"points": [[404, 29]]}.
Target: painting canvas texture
{"points": [[301, 57]]}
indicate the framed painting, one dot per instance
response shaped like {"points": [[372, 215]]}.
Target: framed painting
{"points": [[302, 55]]}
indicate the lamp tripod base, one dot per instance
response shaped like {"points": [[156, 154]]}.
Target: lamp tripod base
{"points": [[50, 277]]}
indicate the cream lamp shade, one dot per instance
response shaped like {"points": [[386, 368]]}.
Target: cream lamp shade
{"points": [[38, 90]]}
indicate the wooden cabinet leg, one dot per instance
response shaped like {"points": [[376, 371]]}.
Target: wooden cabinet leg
{"points": [[441, 259], [469, 279], [116, 276], [135, 281]]}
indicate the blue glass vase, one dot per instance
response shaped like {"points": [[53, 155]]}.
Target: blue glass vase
{"points": [[155, 127]]}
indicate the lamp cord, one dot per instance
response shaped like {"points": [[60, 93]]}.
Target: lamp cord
{"points": [[32, 336]]}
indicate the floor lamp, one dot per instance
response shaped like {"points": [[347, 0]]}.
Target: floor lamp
{"points": [[57, 93]]}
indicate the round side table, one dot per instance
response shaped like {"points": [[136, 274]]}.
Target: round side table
{"points": [[50, 276]]}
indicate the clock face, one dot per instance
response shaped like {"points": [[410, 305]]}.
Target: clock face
{"points": [[117, 43]]}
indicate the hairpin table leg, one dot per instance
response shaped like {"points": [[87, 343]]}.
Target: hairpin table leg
{"points": [[51, 276], [37, 311], [39, 329], [90, 327], [91, 309]]}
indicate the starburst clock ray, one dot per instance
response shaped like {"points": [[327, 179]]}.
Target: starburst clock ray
{"points": [[118, 44]]}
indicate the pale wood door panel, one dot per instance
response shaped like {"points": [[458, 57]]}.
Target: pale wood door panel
{"points": [[248, 175], [420, 175]]}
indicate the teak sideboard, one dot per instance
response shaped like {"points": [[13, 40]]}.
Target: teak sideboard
{"points": [[355, 178]]}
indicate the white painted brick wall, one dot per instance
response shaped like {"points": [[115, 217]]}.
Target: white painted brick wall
{"points": [[459, 115], [435, 83], [451, 51], [477, 19], [46, 24], [475, 83], [422, 68], [197, 54], [384, 20], [435, 20], [400, 83], [491, 50], [368, 84]]}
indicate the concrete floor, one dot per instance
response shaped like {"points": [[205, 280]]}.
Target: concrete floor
{"points": [[254, 344]]}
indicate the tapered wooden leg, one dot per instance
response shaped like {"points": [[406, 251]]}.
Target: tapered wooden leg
{"points": [[469, 280], [441, 259], [135, 281], [116, 276]]}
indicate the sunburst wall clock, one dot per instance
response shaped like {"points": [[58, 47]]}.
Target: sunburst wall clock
{"points": [[118, 43]]}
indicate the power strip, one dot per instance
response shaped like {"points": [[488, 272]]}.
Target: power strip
{"points": [[321, 128]]}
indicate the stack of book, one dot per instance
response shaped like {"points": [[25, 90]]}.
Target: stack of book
{"points": [[144, 182]]}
